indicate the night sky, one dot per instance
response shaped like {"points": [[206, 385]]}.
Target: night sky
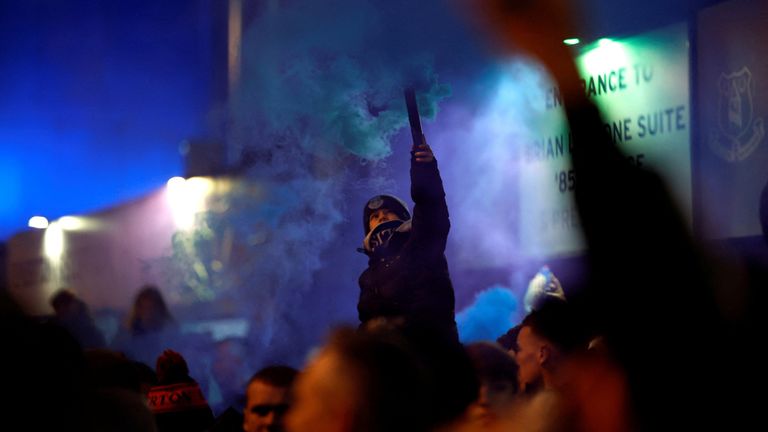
{"points": [[97, 97]]}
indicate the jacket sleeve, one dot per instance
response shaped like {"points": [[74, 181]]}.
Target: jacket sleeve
{"points": [[430, 224]]}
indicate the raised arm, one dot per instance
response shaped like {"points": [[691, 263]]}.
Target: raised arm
{"points": [[430, 223]]}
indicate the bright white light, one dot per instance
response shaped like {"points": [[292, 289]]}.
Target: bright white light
{"points": [[571, 41], [38, 222], [176, 182], [200, 186], [609, 55], [71, 223], [53, 242], [605, 42], [187, 198]]}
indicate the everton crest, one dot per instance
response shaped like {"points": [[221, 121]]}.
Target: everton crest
{"points": [[738, 132]]}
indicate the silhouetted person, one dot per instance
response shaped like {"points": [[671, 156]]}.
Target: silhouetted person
{"points": [[42, 371], [150, 313], [115, 397], [546, 337], [73, 314], [497, 372], [150, 327]]}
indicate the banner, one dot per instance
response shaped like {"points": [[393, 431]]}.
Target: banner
{"points": [[640, 84]]}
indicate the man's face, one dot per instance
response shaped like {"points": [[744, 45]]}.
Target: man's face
{"points": [[381, 215], [264, 408], [322, 403], [528, 356]]}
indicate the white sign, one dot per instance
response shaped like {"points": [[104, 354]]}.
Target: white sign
{"points": [[641, 85]]}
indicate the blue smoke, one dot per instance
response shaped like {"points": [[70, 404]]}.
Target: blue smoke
{"points": [[494, 311]]}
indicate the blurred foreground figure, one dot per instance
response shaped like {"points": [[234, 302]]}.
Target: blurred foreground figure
{"points": [[116, 400], [499, 397], [43, 371], [380, 381], [360, 383], [649, 295]]}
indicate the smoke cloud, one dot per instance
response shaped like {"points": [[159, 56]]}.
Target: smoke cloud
{"points": [[313, 120], [494, 311], [481, 142], [328, 77]]}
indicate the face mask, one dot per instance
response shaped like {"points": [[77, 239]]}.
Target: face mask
{"points": [[378, 241]]}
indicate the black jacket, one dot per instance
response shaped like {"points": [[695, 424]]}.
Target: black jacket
{"points": [[414, 284]]}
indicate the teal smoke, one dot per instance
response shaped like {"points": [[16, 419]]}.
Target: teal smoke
{"points": [[329, 76]]}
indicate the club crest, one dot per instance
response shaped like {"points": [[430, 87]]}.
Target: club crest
{"points": [[738, 132]]}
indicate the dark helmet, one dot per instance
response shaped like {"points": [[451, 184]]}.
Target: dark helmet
{"points": [[389, 202]]}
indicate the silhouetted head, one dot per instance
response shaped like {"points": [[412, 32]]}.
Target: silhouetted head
{"points": [[66, 304], [268, 397], [361, 381], [150, 312], [497, 372], [547, 335]]}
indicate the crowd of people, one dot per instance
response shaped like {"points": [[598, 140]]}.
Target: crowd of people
{"points": [[609, 357]]}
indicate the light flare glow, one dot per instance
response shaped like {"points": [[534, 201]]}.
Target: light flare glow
{"points": [[187, 198], [38, 222]]}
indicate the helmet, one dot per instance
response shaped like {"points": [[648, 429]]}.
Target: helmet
{"points": [[543, 287], [389, 202]]}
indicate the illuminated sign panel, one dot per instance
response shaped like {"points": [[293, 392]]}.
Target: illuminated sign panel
{"points": [[640, 85]]}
